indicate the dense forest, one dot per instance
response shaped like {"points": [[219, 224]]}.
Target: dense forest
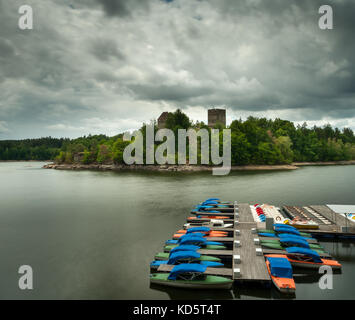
{"points": [[254, 141]]}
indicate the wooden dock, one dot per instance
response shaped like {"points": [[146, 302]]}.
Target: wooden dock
{"points": [[244, 253], [248, 260], [330, 223], [339, 220]]}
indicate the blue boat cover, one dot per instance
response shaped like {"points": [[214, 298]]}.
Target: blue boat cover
{"points": [[184, 248], [266, 234], [212, 199], [287, 230], [205, 207], [284, 225], [176, 256], [194, 240], [213, 211], [199, 241], [308, 252], [186, 268], [172, 241], [191, 235], [198, 229], [212, 264], [280, 267], [157, 263], [289, 235], [209, 202], [295, 242], [214, 243], [208, 264]]}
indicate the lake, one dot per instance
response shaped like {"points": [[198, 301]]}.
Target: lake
{"points": [[92, 235]]}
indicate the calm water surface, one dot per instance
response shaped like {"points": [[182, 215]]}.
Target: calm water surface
{"points": [[92, 235]]}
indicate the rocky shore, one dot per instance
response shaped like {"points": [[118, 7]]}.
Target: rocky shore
{"points": [[325, 163], [179, 168]]}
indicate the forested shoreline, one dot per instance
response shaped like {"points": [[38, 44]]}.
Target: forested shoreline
{"points": [[255, 141]]}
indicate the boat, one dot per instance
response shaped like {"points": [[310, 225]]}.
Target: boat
{"points": [[210, 234], [191, 276], [166, 255], [187, 257], [307, 258], [207, 217], [214, 223], [280, 235], [285, 235], [283, 230], [206, 231], [289, 242], [280, 271], [194, 240], [184, 247]]}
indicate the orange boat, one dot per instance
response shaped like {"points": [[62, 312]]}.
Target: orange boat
{"points": [[207, 234], [209, 217], [224, 233], [280, 271], [308, 258]]}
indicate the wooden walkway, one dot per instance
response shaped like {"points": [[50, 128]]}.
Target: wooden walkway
{"points": [[247, 264], [336, 218]]}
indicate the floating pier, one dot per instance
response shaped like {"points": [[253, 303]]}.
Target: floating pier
{"points": [[248, 259], [244, 255]]}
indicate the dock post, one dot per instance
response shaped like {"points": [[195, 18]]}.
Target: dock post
{"points": [[269, 223]]}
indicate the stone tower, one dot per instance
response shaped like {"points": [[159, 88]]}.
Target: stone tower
{"points": [[216, 116], [162, 120]]}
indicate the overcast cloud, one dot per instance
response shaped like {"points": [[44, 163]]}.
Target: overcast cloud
{"points": [[106, 66]]}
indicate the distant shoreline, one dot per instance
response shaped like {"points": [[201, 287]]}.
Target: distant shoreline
{"points": [[178, 168], [188, 168]]}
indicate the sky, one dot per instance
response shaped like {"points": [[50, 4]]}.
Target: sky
{"points": [[107, 66]]}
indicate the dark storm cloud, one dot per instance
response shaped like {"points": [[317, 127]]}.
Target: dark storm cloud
{"points": [[173, 93], [106, 66], [123, 8], [104, 49]]}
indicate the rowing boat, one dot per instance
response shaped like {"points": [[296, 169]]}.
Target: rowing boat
{"points": [[280, 271], [179, 257], [191, 276], [310, 259]]}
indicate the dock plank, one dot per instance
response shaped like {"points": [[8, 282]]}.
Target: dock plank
{"points": [[245, 214], [252, 266], [334, 217]]}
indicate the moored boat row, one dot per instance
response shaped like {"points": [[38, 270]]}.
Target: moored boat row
{"points": [[200, 255]]}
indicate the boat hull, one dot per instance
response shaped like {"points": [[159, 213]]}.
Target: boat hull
{"points": [[211, 282], [165, 256], [303, 265], [208, 247]]}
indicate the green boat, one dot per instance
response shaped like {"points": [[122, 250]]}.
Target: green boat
{"points": [[165, 256], [303, 234], [208, 247], [311, 245], [278, 246], [191, 276]]}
